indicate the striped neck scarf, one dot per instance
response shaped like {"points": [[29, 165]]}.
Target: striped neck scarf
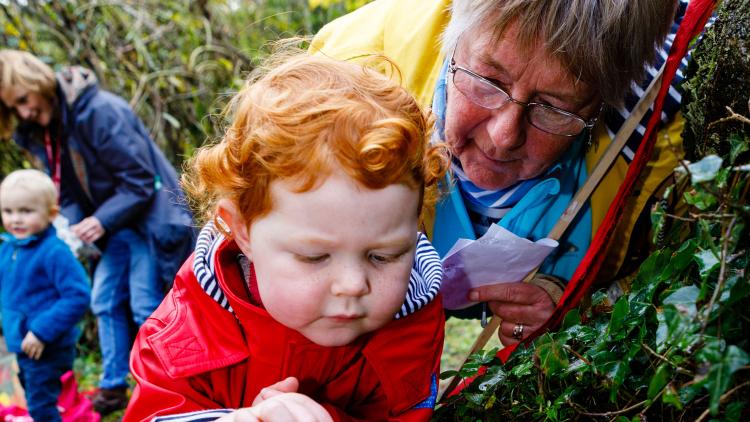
{"points": [[485, 206]]}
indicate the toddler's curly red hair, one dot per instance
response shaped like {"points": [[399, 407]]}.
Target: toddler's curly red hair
{"points": [[304, 116]]}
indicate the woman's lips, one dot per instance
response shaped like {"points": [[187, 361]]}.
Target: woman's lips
{"points": [[492, 160]]}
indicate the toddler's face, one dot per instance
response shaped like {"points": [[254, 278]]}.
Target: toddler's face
{"points": [[334, 263], [24, 212]]}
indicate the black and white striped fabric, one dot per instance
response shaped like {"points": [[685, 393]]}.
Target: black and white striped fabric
{"points": [[204, 264], [199, 416], [615, 117], [424, 281]]}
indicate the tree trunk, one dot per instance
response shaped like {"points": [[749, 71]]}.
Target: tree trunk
{"points": [[719, 77]]}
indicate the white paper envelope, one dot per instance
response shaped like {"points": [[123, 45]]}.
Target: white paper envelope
{"points": [[497, 257]]}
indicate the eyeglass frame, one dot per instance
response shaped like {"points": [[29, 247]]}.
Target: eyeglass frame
{"points": [[453, 67]]}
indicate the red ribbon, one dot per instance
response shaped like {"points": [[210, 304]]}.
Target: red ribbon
{"points": [[53, 158]]}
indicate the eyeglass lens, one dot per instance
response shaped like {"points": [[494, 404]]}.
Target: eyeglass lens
{"points": [[487, 95]]}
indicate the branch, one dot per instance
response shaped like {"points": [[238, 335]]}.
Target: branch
{"points": [[677, 217], [733, 117], [578, 355], [679, 369], [580, 410], [722, 399], [722, 274]]}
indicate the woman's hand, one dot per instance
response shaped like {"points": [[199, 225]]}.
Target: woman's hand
{"points": [[281, 403], [32, 346], [89, 229], [523, 308]]}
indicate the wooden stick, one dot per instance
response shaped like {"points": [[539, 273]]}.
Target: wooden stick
{"points": [[576, 204]]}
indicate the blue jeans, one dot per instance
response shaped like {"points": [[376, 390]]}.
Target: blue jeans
{"points": [[41, 380], [126, 291]]}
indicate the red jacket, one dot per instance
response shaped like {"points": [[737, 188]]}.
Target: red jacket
{"points": [[192, 354]]}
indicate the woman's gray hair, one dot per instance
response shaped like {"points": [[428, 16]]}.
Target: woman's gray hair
{"points": [[605, 43]]}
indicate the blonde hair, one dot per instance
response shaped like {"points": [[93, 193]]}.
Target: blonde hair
{"points": [[301, 117], [34, 181], [22, 69], [605, 43]]}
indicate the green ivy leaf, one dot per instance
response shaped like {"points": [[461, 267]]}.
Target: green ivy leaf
{"points": [[619, 314], [689, 392], [736, 358], [733, 411], [659, 380], [738, 145], [683, 256], [616, 371], [707, 262], [494, 376], [551, 355], [720, 374], [671, 397], [681, 326], [448, 374], [738, 288], [662, 331], [522, 369], [704, 170], [700, 199], [712, 350], [684, 299], [572, 318]]}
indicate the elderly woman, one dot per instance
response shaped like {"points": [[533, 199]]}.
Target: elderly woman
{"points": [[116, 186], [518, 88]]}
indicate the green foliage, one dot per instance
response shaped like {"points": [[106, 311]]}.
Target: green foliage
{"points": [[176, 61], [676, 346]]}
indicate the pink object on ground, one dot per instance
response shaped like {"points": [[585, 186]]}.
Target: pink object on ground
{"points": [[73, 406]]}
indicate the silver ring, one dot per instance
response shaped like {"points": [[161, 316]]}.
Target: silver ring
{"points": [[518, 331]]}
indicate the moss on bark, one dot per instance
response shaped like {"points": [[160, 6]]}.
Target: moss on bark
{"points": [[719, 77]]}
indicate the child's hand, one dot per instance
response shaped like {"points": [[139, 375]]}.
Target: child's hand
{"points": [[283, 407], [288, 385], [32, 346], [280, 402], [89, 230]]}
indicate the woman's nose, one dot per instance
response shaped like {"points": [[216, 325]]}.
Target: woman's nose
{"points": [[351, 280], [506, 126], [24, 112]]}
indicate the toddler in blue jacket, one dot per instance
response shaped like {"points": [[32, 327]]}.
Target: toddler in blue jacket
{"points": [[45, 290]]}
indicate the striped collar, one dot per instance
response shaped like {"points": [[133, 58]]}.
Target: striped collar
{"points": [[424, 281]]}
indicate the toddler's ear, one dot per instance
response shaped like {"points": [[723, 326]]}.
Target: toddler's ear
{"points": [[231, 215], [53, 212]]}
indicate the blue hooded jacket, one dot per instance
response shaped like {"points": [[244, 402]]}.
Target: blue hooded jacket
{"points": [[44, 290]]}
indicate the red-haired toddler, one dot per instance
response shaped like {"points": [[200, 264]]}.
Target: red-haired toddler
{"points": [[311, 296]]}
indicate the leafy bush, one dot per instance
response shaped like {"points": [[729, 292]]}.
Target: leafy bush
{"points": [[176, 61], [675, 347]]}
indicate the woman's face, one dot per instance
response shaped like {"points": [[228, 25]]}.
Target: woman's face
{"points": [[28, 105], [498, 148]]}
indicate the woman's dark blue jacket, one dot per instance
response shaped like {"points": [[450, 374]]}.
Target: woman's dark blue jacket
{"points": [[111, 169]]}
